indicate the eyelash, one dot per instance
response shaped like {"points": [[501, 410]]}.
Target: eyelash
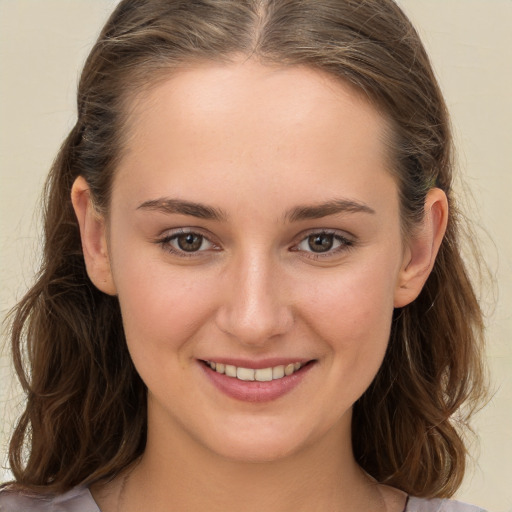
{"points": [[345, 244], [166, 243]]}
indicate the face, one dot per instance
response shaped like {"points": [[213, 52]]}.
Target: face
{"points": [[254, 228]]}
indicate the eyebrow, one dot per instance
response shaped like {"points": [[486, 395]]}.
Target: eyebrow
{"points": [[304, 212], [333, 207], [170, 206]]}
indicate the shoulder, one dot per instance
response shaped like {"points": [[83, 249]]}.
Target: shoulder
{"points": [[439, 505], [78, 499]]}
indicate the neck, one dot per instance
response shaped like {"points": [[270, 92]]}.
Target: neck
{"points": [[184, 475]]}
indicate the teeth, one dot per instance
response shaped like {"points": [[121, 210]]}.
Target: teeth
{"points": [[229, 370], [278, 372], [263, 374], [289, 369], [244, 374], [260, 375]]}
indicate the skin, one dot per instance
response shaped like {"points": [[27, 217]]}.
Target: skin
{"points": [[256, 145]]}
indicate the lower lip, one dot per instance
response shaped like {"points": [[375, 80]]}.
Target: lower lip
{"points": [[255, 391]]}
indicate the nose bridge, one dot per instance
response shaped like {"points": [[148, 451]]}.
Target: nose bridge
{"points": [[255, 308]]}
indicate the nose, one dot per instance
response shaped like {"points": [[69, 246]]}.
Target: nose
{"points": [[254, 307]]}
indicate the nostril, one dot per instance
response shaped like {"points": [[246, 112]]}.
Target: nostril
{"points": [[253, 331]]}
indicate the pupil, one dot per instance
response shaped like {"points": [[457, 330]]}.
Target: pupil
{"points": [[320, 243], [190, 242]]}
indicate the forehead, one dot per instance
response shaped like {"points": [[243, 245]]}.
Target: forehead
{"points": [[251, 87], [252, 125]]}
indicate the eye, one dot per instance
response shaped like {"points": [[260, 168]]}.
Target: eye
{"points": [[324, 242], [186, 243]]}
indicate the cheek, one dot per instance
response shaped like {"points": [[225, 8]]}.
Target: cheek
{"points": [[351, 312], [161, 306], [353, 300]]}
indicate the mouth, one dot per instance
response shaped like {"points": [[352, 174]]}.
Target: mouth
{"points": [[268, 374], [270, 381]]}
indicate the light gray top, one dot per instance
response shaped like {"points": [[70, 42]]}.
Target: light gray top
{"points": [[437, 505], [80, 499]]}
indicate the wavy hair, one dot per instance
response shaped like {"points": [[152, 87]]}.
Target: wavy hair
{"points": [[85, 416]]}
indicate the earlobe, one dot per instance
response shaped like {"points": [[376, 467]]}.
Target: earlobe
{"points": [[422, 249], [93, 236]]}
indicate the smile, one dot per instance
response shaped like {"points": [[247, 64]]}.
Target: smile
{"points": [[259, 375]]}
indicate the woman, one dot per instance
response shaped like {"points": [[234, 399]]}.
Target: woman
{"points": [[252, 293]]}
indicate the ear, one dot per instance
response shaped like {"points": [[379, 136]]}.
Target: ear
{"points": [[421, 250], [94, 239]]}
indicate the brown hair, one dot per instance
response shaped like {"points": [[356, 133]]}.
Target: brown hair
{"points": [[85, 417]]}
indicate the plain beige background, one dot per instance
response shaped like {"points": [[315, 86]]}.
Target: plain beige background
{"points": [[43, 44]]}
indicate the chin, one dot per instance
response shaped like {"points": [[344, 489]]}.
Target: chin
{"points": [[258, 451], [261, 443]]}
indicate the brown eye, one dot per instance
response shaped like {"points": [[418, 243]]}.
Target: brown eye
{"points": [[189, 242], [324, 243], [321, 242]]}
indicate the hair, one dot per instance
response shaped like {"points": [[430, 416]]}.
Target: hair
{"points": [[85, 416]]}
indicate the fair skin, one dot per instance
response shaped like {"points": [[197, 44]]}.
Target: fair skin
{"points": [[254, 223]]}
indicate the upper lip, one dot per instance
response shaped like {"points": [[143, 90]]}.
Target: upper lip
{"points": [[257, 364]]}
